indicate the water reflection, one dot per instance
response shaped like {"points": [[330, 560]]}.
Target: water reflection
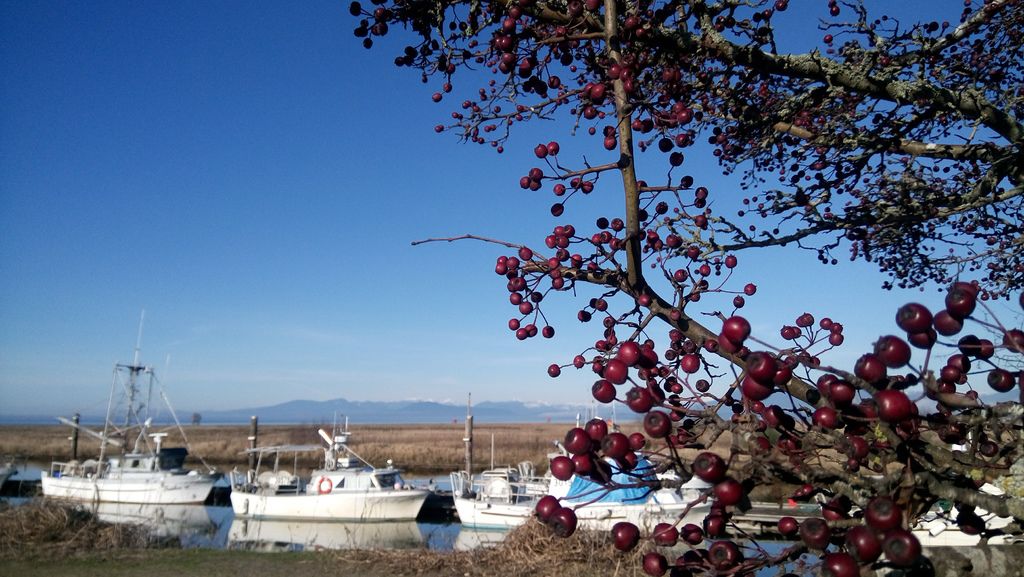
{"points": [[214, 527], [469, 538], [270, 535], [193, 525]]}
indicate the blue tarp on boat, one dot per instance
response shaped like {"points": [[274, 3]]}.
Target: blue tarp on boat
{"points": [[585, 490]]}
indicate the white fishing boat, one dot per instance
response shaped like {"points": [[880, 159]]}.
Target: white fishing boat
{"points": [[500, 498], [148, 473], [148, 476], [505, 498], [346, 488]]}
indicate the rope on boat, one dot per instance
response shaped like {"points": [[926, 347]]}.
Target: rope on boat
{"points": [[167, 402]]}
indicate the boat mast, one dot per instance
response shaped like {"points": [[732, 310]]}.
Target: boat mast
{"points": [[106, 421], [133, 411], [134, 369]]}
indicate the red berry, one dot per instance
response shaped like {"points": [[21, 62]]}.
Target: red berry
{"points": [[1000, 380], [946, 324], [841, 393], [639, 400], [709, 467], [839, 565], [629, 353], [961, 300], [655, 564], [577, 441], [736, 329], [870, 368], [563, 521], [788, 526], [815, 533], [690, 363], [637, 441], [714, 523], [665, 535], [826, 418], [893, 351], [761, 367], [562, 468], [616, 371], [657, 424], [882, 514], [893, 406], [583, 464], [728, 492], [923, 340], [914, 318], [625, 536], [862, 543], [603, 391], [901, 548], [546, 506], [596, 429], [1013, 340], [615, 445], [754, 390], [692, 534], [724, 555]]}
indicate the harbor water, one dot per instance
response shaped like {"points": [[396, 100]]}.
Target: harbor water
{"points": [[215, 526]]}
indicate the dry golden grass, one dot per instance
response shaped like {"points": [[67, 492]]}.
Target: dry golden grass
{"points": [[418, 449], [47, 528], [531, 550], [50, 532]]}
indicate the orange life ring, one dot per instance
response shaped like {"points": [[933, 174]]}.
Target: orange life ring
{"points": [[325, 485]]}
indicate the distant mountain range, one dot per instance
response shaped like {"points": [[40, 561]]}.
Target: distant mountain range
{"points": [[375, 412], [384, 412]]}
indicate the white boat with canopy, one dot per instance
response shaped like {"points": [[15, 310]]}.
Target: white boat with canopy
{"points": [[503, 498], [346, 488]]}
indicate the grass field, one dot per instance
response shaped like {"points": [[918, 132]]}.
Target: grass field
{"points": [[418, 449]]}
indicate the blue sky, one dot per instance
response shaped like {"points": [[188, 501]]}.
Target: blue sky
{"points": [[252, 177]]}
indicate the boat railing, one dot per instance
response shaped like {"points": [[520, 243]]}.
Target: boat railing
{"points": [[462, 485], [88, 468], [504, 485]]}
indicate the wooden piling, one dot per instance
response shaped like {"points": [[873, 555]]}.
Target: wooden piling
{"points": [[253, 434], [74, 436]]}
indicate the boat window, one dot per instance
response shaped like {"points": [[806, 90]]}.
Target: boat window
{"points": [[388, 481], [172, 458], [135, 463]]}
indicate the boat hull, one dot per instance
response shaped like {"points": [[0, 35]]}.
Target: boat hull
{"points": [[397, 505], [483, 515], [603, 516], [160, 489], [592, 517]]}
